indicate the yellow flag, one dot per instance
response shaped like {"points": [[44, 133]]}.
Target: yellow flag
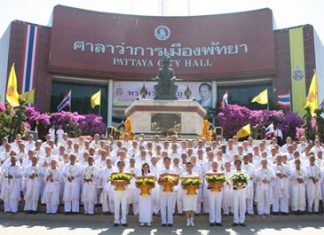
{"points": [[261, 98], [312, 98], [95, 99], [244, 131], [28, 97], [12, 95]]}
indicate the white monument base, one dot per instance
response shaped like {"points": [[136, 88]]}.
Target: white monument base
{"points": [[166, 116]]}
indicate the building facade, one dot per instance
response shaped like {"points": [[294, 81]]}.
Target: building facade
{"points": [[85, 51]]}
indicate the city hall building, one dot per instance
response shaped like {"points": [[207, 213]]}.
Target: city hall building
{"points": [[86, 51]]}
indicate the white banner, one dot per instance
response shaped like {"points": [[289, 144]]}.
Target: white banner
{"points": [[126, 92]]}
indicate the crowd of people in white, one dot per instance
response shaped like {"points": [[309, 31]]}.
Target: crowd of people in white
{"points": [[75, 172]]}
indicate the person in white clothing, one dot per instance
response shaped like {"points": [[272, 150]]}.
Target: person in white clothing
{"points": [[249, 169], [281, 187], [10, 186], [59, 134], [89, 187], [264, 178], [106, 196], [215, 201], [53, 179], [72, 173], [189, 201], [145, 201], [239, 199], [34, 176], [166, 198], [313, 186], [227, 198], [120, 200], [298, 179]]}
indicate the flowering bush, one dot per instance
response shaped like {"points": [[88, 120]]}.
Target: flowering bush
{"points": [[290, 124], [73, 123], [234, 117], [92, 124], [2, 107], [5, 123]]}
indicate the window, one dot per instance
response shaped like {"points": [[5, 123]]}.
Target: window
{"points": [[243, 95], [81, 93]]}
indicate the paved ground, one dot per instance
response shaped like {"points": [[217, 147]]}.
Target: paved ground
{"points": [[60, 224]]}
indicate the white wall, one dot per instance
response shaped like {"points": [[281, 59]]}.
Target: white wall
{"points": [[319, 57], [4, 54]]}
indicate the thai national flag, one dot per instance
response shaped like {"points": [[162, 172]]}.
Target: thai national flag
{"points": [[284, 100], [322, 105], [30, 57], [65, 102], [269, 131], [224, 102]]}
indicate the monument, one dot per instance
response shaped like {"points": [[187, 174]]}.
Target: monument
{"points": [[165, 114], [166, 88]]}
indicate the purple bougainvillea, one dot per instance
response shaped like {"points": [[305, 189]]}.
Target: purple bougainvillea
{"points": [[92, 124], [234, 117], [88, 124], [2, 107]]}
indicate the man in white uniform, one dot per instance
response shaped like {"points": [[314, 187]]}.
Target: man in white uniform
{"points": [[72, 173]]}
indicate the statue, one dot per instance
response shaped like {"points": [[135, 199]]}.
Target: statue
{"points": [[166, 88]]}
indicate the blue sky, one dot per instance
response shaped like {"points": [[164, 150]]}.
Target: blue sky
{"points": [[286, 13]]}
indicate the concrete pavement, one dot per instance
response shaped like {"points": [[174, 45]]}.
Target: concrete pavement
{"points": [[87, 225]]}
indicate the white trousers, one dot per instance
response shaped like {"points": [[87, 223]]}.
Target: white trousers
{"points": [[312, 204], [166, 204], [215, 207], [88, 208], [145, 209], [249, 206], [51, 207], [71, 206], [239, 205], [280, 204], [31, 205], [178, 201], [120, 207], [11, 205], [263, 204], [105, 202]]}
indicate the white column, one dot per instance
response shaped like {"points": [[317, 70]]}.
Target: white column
{"points": [[214, 84]]}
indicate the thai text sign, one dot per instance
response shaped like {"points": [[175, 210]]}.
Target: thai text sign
{"points": [[115, 45]]}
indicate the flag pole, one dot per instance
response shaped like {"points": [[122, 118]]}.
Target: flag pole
{"points": [[290, 101], [70, 101], [268, 98], [100, 104]]}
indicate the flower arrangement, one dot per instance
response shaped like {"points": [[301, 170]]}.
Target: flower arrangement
{"points": [[239, 177], [120, 180], [147, 181], [145, 184], [168, 181], [215, 178], [120, 176], [191, 182], [191, 185]]}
